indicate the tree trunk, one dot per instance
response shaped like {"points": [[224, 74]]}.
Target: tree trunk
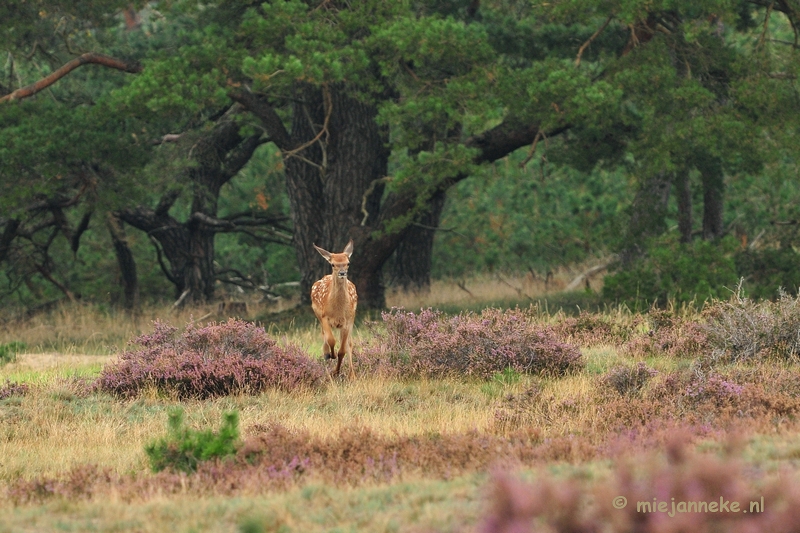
{"points": [[647, 214], [335, 163], [713, 189], [411, 268], [9, 233], [332, 180], [683, 189], [189, 246], [170, 237], [126, 262]]}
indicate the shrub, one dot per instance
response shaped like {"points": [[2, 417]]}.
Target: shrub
{"points": [[184, 448], [12, 388], [741, 329], [215, 360], [9, 351], [767, 270], [675, 272], [430, 344], [713, 388], [624, 503], [628, 379], [592, 328], [671, 335]]}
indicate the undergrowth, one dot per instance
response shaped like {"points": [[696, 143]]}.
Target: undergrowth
{"points": [[744, 329], [184, 448], [9, 351]]}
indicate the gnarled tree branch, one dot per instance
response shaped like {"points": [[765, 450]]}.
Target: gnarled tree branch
{"points": [[132, 67]]}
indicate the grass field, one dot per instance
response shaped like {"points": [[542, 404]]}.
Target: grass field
{"points": [[644, 416]]}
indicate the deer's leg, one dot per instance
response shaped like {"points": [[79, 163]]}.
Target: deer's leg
{"points": [[338, 364], [346, 347], [329, 341]]}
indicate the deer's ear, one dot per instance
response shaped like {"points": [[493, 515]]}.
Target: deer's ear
{"points": [[324, 253], [348, 250]]}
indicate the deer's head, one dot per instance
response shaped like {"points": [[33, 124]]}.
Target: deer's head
{"points": [[339, 262]]}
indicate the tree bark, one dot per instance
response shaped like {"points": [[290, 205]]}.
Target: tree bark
{"points": [[411, 268], [331, 179], [126, 262], [189, 246], [171, 236], [713, 189], [647, 214], [9, 233], [683, 189]]}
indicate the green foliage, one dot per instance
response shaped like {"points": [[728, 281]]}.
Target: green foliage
{"points": [[707, 89], [767, 270], [675, 272], [184, 448], [535, 218], [258, 189], [9, 351]]}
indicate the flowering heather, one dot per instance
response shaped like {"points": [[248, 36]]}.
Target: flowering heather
{"points": [[625, 503], [671, 335], [714, 388], [430, 344], [12, 388], [215, 360]]}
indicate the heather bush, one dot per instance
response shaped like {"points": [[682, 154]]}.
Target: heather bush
{"points": [[742, 502], [184, 448], [430, 344], [12, 388], [593, 328], [742, 329], [714, 388], [670, 334], [218, 359], [628, 379]]}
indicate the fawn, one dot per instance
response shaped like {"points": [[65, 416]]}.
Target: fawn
{"points": [[334, 300]]}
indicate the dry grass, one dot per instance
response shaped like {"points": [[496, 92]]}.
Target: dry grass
{"points": [[416, 505], [572, 421], [60, 429], [489, 288], [84, 329], [56, 426]]}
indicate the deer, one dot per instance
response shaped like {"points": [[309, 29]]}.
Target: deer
{"points": [[334, 300]]}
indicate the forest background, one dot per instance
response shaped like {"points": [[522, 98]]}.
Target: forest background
{"points": [[186, 151]]}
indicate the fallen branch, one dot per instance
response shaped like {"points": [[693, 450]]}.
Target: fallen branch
{"points": [[132, 67], [463, 286], [179, 302], [520, 292], [580, 278]]}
